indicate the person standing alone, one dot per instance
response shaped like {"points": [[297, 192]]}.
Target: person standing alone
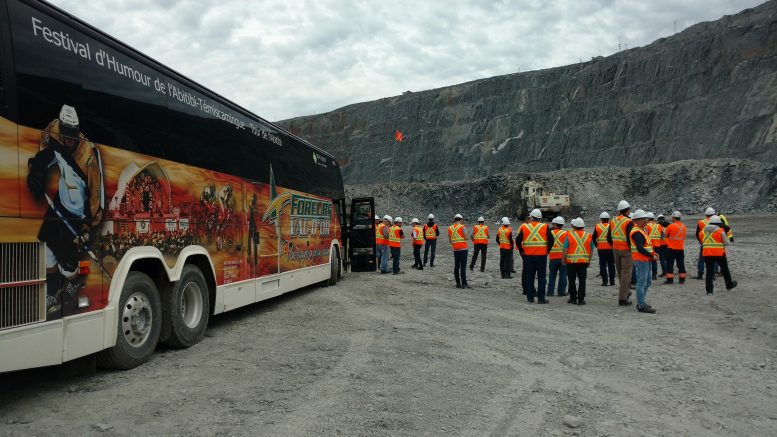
{"points": [[457, 234], [480, 243]]}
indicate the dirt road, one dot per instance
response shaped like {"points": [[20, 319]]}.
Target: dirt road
{"points": [[411, 354]]}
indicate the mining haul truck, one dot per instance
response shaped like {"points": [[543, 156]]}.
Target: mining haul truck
{"points": [[534, 196]]}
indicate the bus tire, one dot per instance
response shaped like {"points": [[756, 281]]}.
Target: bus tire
{"points": [[334, 267], [139, 324], [188, 308]]}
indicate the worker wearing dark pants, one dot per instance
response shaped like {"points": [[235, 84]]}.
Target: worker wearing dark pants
{"points": [[713, 242], [431, 232], [479, 248], [504, 238], [534, 241]]}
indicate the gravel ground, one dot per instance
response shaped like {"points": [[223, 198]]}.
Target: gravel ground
{"points": [[412, 355]]}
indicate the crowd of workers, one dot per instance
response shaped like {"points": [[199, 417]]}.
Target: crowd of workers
{"points": [[630, 246]]}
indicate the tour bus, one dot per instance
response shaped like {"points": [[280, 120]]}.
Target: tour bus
{"points": [[136, 203]]}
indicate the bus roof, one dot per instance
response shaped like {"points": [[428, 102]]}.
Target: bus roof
{"points": [[130, 51]]}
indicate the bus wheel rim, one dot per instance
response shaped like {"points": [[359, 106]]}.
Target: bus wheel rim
{"points": [[191, 304], [137, 319]]}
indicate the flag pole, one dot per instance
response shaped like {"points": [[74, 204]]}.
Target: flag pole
{"points": [[391, 170]]}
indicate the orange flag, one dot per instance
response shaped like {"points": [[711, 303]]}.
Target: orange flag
{"points": [[398, 136]]}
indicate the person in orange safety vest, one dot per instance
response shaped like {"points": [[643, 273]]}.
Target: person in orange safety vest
{"points": [[713, 246], [480, 243], [604, 250], [504, 238], [534, 241], [675, 248], [555, 264], [576, 256], [457, 235], [395, 244], [418, 241]]}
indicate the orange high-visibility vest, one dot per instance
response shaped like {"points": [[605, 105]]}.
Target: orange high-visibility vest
{"points": [[601, 238], [480, 234], [712, 243], [635, 254], [430, 232], [505, 234], [618, 232], [579, 251], [379, 239], [419, 236], [675, 236], [559, 237], [654, 233], [395, 239], [535, 238], [456, 234]]}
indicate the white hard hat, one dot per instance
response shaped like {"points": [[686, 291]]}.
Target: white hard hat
{"points": [[638, 214], [650, 215], [631, 215], [415, 220], [387, 217], [709, 211], [377, 217], [505, 221], [68, 116], [578, 223], [457, 216], [659, 215], [481, 219], [536, 213], [623, 205], [398, 220], [558, 220], [677, 214], [716, 220], [604, 215], [431, 217]]}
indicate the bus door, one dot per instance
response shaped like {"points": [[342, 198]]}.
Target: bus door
{"points": [[263, 238], [361, 249]]}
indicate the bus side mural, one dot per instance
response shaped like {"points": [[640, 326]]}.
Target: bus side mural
{"points": [[97, 202]]}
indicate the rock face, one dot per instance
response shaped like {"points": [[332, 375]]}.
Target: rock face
{"points": [[708, 92]]}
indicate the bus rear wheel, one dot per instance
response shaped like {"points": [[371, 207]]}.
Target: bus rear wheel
{"points": [[187, 309], [139, 324], [334, 267]]}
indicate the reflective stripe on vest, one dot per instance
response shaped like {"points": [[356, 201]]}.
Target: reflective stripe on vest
{"points": [[419, 235], [379, 240], [559, 237], [654, 233], [635, 254], [480, 234], [579, 251], [505, 234], [675, 234], [536, 242], [601, 239], [712, 243], [430, 232], [456, 234], [618, 232], [394, 239]]}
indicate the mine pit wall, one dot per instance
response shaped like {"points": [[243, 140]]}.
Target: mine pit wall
{"points": [[709, 92]]}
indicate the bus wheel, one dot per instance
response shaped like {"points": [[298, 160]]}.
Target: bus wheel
{"points": [[139, 324], [334, 267], [188, 308]]}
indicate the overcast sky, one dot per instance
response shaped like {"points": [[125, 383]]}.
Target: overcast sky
{"points": [[285, 58]]}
